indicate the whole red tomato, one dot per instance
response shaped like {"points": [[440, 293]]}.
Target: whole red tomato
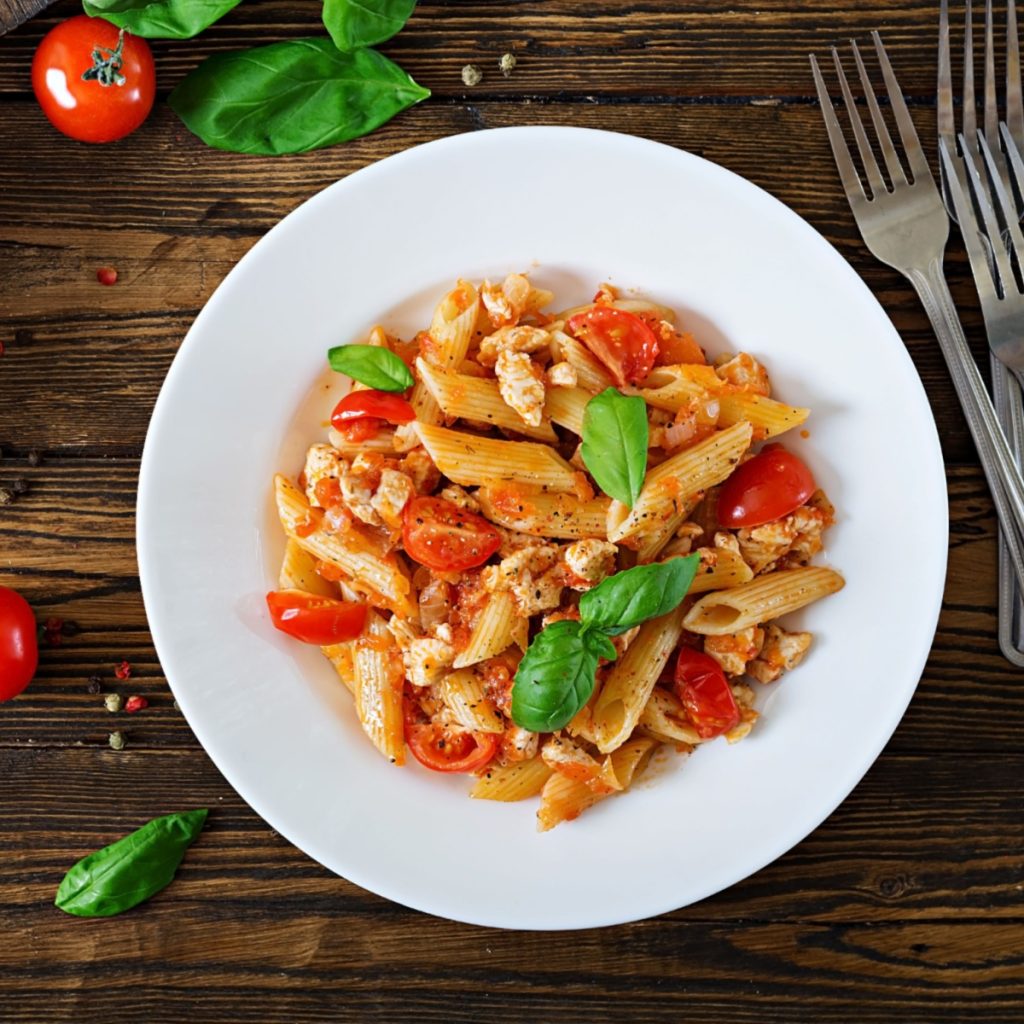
{"points": [[19, 650], [92, 82]]}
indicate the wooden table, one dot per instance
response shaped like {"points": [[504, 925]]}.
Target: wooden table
{"points": [[906, 904]]}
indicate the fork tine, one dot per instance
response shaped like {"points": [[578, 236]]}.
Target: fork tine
{"points": [[892, 160], [970, 123], [1014, 102], [990, 225], [991, 111], [1006, 208], [908, 133], [1013, 157], [847, 171], [867, 157], [946, 124], [969, 229]]}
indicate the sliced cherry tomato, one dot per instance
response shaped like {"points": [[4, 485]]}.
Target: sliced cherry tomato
{"points": [[380, 404], [314, 619], [19, 646], [440, 535], [444, 750], [673, 347], [770, 485], [117, 95], [701, 685], [622, 341], [327, 491]]}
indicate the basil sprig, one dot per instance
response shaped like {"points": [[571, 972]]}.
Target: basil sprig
{"points": [[354, 23], [160, 19], [122, 875], [291, 97], [371, 365], [556, 676], [615, 443]]}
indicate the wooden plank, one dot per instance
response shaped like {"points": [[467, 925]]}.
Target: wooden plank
{"points": [[659, 48], [68, 544], [174, 245], [14, 12]]}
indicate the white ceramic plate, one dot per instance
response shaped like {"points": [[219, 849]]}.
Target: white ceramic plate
{"points": [[244, 398]]}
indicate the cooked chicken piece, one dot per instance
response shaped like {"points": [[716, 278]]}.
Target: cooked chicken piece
{"points": [[419, 467], [505, 305], [518, 744], [733, 650], [426, 659], [393, 492], [512, 339], [744, 697], [357, 488], [798, 534], [435, 601], [745, 372], [781, 652], [458, 496], [322, 462], [589, 562], [563, 375], [513, 541], [533, 576], [521, 384]]}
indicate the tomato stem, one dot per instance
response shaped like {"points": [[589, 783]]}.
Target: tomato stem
{"points": [[106, 64]]}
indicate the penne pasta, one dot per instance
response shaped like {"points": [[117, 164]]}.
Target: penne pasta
{"points": [[544, 515], [343, 658], [452, 328], [509, 782], [298, 572], [477, 399], [495, 630], [719, 570], [463, 695], [630, 680], [379, 678], [768, 417], [380, 576], [668, 487], [591, 374], [761, 600], [663, 717], [469, 459], [565, 406]]}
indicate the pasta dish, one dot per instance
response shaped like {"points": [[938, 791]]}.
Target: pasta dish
{"points": [[536, 546]]}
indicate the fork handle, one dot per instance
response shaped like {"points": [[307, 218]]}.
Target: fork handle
{"points": [[1008, 404], [1001, 471]]}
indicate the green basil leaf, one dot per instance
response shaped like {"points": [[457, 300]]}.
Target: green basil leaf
{"points": [[160, 19], [635, 595], [355, 23], [555, 678], [371, 365], [600, 643], [615, 443], [291, 97], [131, 870]]}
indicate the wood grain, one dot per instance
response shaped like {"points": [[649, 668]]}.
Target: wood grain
{"points": [[14, 12]]}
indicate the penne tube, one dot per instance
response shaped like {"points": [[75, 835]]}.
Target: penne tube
{"points": [[379, 678], [544, 515], [768, 417], [670, 486], [664, 717], [509, 782], [298, 572], [761, 600], [495, 630], [630, 680], [427, 411], [477, 399], [380, 577], [470, 460], [343, 658], [463, 695], [719, 569], [565, 406], [452, 327], [591, 374]]}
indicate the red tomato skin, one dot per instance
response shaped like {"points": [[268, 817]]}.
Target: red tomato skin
{"points": [[89, 111], [701, 686], [379, 404], [622, 341], [442, 536], [769, 486], [422, 739], [314, 619], [19, 646]]}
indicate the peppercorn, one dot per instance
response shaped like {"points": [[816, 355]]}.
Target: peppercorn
{"points": [[507, 63], [471, 75], [95, 684], [116, 740], [113, 702], [33, 458], [135, 703]]}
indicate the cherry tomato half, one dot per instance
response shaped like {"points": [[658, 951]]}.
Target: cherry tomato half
{"points": [[444, 750], [89, 109], [314, 619], [701, 685], [440, 535], [622, 341], [360, 414], [770, 485], [19, 648]]}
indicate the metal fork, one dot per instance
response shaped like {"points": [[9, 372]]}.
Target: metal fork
{"points": [[1005, 387], [906, 227]]}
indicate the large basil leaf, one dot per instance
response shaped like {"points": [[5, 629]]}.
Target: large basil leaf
{"points": [[131, 870], [615, 443], [371, 365], [355, 23], [291, 97], [633, 596], [556, 676], [160, 19]]}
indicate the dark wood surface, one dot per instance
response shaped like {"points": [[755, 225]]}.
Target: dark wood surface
{"points": [[906, 904]]}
